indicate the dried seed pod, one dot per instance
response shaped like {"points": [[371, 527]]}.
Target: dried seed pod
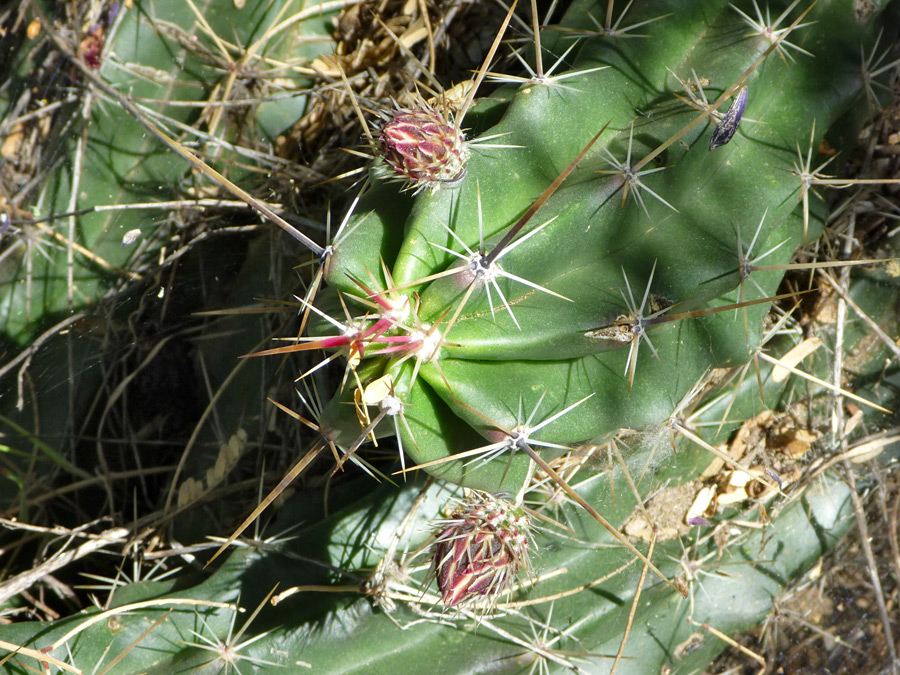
{"points": [[727, 128], [481, 548]]}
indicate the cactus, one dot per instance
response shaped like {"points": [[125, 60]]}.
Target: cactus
{"points": [[525, 322], [87, 245], [115, 166], [508, 305]]}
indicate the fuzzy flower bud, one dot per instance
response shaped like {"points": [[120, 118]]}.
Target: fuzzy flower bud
{"points": [[481, 548], [423, 148]]}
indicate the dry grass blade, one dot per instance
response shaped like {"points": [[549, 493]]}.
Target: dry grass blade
{"points": [[600, 519], [634, 606], [884, 337], [19, 583], [821, 383], [724, 456], [860, 514], [134, 643], [572, 591], [131, 607], [470, 96], [36, 654], [174, 145], [749, 652], [289, 477]]}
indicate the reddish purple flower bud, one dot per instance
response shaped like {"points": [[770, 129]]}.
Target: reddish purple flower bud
{"points": [[423, 148], [481, 548]]}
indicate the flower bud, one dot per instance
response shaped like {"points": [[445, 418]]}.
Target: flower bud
{"points": [[481, 548], [423, 148]]}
